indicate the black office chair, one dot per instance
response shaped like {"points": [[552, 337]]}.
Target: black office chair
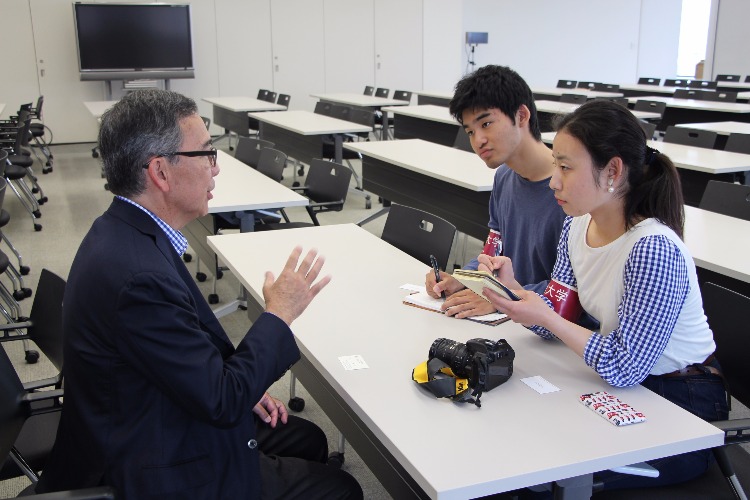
{"points": [[419, 234], [727, 198], [747, 79], [622, 101], [266, 95], [586, 85], [36, 416], [606, 87], [574, 98], [702, 84], [690, 137], [738, 143], [720, 95], [463, 142], [644, 80], [402, 95], [369, 90], [248, 150], [649, 128], [382, 92], [676, 82], [566, 84], [730, 474], [340, 111], [727, 78], [688, 94], [326, 186], [284, 99], [39, 132], [651, 106], [323, 108]]}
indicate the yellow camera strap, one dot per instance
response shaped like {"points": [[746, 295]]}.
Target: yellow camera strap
{"points": [[439, 379]]}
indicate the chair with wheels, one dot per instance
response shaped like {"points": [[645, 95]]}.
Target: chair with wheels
{"points": [[362, 116], [573, 98], [727, 198], [38, 132], [727, 78], [248, 150], [729, 476], [419, 234], [645, 80], [566, 84], [690, 137], [20, 291]]}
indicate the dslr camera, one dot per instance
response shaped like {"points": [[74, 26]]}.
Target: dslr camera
{"points": [[484, 363]]}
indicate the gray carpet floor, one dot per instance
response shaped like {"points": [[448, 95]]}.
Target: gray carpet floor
{"points": [[77, 196]]}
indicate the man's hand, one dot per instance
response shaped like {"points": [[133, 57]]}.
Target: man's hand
{"points": [[502, 267], [270, 410], [289, 295], [466, 303], [448, 284]]}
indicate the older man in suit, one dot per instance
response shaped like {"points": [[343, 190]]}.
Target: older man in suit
{"points": [[158, 402]]}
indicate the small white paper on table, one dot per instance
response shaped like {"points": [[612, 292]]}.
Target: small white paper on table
{"points": [[539, 384], [413, 288], [354, 362]]}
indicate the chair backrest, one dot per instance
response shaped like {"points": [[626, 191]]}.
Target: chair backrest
{"points": [[566, 84], [3, 163], [13, 413], [606, 87], [38, 108], [263, 94], [720, 95], [271, 163], [248, 150], [340, 111], [747, 79], [327, 181], [402, 95], [702, 84], [690, 137], [727, 198], [369, 90], [46, 317], [688, 94], [284, 99], [649, 81], [206, 121], [727, 78], [419, 234], [271, 97], [323, 108], [726, 311], [382, 92], [463, 142], [648, 128], [652, 106], [586, 85], [362, 116], [738, 143], [622, 101], [676, 82], [573, 98]]}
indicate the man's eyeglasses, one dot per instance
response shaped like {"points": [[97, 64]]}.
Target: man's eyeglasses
{"points": [[211, 153]]}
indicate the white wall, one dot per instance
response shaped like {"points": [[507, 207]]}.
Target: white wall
{"points": [[659, 38], [731, 39], [443, 44]]}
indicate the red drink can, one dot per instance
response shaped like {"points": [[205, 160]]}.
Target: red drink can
{"points": [[493, 245]]}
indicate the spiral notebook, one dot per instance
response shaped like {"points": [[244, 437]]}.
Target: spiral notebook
{"points": [[422, 300]]}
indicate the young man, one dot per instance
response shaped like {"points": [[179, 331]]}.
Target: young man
{"points": [[496, 108], [158, 402]]}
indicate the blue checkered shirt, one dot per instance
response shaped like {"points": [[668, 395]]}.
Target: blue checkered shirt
{"points": [[178, 241], [656, 286]]}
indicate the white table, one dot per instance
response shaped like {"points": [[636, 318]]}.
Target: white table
{"points": [[556, 107], [693, 110], [298, 133], [238, 188], [426, 121], [231, 112], [546, 92], [447, 182], [697, 166], [642, 89], [419, 446], [364, 101]]}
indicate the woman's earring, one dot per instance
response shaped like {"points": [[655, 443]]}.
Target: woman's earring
{"points": [[610, 189]]}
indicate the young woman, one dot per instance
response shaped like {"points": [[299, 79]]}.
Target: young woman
{"points": [[621, 259]]}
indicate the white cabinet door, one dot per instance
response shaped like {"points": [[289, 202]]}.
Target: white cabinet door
{"points": [[298, 50], [349, 45], [398, 44], [17, 41]]}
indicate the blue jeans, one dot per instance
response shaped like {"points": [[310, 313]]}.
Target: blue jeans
{"points": [[702, 395]]}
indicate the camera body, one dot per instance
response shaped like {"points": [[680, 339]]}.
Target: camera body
{"points": [[484, 363]]}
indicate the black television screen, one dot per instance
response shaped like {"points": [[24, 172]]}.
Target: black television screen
{"points": [[129, 41]]}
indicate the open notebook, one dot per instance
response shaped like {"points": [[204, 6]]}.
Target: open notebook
{"points": [[478, 280], [422, 300]]}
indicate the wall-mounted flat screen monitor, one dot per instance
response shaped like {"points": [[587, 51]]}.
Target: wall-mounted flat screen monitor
{"points": [[476, 37], [132, 41]]}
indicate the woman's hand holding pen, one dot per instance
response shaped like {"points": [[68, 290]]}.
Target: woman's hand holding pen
{"points": [[501, 268]]}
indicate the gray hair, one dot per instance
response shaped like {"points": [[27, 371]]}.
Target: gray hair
{"points": [[140, 126]]}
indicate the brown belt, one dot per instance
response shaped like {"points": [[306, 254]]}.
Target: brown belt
{"points": [[695, 369]]}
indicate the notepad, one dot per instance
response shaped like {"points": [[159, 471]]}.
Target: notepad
{"points": [[422, 300], [478, 280]]}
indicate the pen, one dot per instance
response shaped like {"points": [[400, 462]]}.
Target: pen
{"points": [[435, 268]]}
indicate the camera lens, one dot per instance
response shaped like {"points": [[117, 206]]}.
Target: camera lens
{"points": [[454, 354]]}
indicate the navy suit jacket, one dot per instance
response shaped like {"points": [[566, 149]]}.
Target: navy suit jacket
{"points": [[158, 403]]}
